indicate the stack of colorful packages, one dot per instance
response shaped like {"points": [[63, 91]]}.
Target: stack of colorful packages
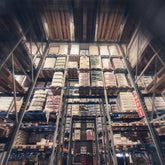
{"points": [[38, 101], [60, 63], [52, 103]]}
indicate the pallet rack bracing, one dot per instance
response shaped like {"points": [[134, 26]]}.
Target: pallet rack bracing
{"points": [[103, 140]]}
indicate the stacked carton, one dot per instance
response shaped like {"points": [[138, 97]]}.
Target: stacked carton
{"points": [[104, 51], [110, 80], [126, 102], [53, 50], [93, 50], [75, 110], [159, 103], [60, 63], [96, 79], [84, 62], [121, 80], [6, 102], [114, 50], [95, 62], [52, 103], [74, 50], [49, 63], [57, 80], [120, 140], [84, 79], [117, 63], [38, 101], [63, 50], [106, 63]]}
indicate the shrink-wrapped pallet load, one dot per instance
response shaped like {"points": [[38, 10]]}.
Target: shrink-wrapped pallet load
{"points": [[63, 50], [144, 81], [73, 66], [84, 62], [38, 101], [74, 50], [126, 102], [159, 103], [95, 62], [49, 63], [6, 102], [110, 80], [57, 80], [99, 124], [120, 140], [75, 110], [121, 80], [104, 51], [67, 125], [54, 50], [106, 63], [77, 134], [60, 63], [52, 104], [96, 79], [114, 50], [117, 63], [84, 79], [93, 50]]}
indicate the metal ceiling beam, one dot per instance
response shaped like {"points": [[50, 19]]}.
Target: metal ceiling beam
{"points": [[22, 111], [151, 130]]}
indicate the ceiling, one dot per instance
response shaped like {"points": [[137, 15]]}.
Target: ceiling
{"points": [[71, 20]]}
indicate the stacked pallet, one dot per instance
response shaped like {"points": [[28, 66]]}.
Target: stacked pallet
{"points": [[159, 103], [38, 101], [84, 62], [6, 102], [95, 62], [106, 64], [110, 80], [119, 140], [60, 63], [96, 82], [99, 124], [121, 80], [63, 50], [73, 66], [57, 82], [118, 63], [19, 102], [49, 63], [67, 124], [126, 102], [144, 81], [74, 50], [93, 51], [52, 104], [53, 50], [114, 50], [75, 110], [21, 138], [77, 134], [104, 51]]}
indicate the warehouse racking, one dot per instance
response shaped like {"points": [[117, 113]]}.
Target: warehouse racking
{"points": [[65, 146]]}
